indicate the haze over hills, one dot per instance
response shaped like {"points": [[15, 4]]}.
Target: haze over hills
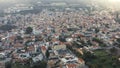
{"points": [[8, 3]]}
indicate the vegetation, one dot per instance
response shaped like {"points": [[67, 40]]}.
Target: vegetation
{"points": [[114, 51], [19, 38], [38, 38], [101, 43], [97, 40], [118, 40], [29, 30], [102, 60], [62, 38], [18, 65], [47, 52], [97, 30], [88, 56], [40, 64], [74, 51], [98, 59]]}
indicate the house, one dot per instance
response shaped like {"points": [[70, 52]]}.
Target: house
{"points": [[24, 55], [18, 46], [69, 58], [81, 62], [80, 50], [53, 62], [37, 58], [12, 38], [69, 39], [71, 66], [58, 47], [21, 57], [62, 52], [31, 49], [43, 49]]}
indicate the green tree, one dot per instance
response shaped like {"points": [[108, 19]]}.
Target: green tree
{"points": [[47, 52], [19, 38], [29, 30], [97, 30], [88, 56], [118, 40], [113, 51], [62, 38], [40, 64]]}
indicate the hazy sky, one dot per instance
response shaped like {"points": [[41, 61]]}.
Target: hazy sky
{"points": [[6, 0], [57, 0], [109, 3]]}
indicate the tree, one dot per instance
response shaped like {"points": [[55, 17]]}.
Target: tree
{"points": [[19, 38], [47, 52], [29, 30], [97, 30], [40, 64], [88, 56], [118, 40], [0, 39], [101, 42], [113, 51], [62, 38]]}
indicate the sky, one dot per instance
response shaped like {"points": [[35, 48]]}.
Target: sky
{"points": [[109, 2], [6, 0], [115, 0], [58, 0]]}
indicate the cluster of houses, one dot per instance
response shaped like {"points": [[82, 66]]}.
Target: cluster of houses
{"points": [[52, 29], [61, 57]]}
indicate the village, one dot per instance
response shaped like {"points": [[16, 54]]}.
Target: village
{"points": [[58, 39]]}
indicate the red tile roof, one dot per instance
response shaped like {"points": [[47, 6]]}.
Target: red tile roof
{"points": [[81, 60], [31, 48], [43, 48], [18, 45], [71, 66]]}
